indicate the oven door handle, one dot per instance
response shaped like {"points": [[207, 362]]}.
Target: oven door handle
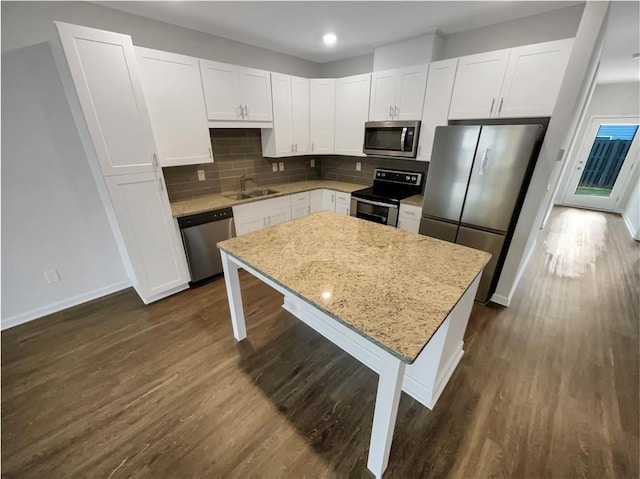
{"points": [[375, 203]]}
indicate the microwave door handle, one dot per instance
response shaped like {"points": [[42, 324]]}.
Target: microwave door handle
{"points": [[402, 137]]}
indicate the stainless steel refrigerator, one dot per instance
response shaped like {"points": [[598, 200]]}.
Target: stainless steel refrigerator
{"points": [[475, 180]]}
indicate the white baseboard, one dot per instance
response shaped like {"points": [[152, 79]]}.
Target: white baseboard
{"points": [[27, 316], [634, 234], [501, 300]]}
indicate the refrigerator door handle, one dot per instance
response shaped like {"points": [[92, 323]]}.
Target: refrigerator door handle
{"points": [[402, 137], [483, 162]]}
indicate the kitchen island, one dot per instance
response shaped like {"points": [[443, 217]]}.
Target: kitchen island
{"points": [[396, 301]]}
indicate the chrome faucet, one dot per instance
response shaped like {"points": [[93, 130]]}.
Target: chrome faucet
{"points": [[243, 180]]}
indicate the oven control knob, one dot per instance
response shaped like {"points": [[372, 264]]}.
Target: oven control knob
{"points": [[413, 178], [408, 178]]}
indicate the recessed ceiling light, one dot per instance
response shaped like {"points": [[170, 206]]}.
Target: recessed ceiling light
{"points": [[329, 39]]}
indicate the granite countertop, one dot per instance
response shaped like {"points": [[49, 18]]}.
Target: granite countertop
{"points": [[213, 202], [391, 286], [415, 200]]}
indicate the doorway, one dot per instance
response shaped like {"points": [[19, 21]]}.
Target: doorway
{"points": [[602, 170]]}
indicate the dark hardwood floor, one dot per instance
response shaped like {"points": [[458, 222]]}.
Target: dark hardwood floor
{"points": [[547, 387]]}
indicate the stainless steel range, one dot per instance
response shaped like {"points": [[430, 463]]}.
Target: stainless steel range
{"points": [[380, 203]]}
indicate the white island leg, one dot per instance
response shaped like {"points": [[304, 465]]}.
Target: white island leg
{"points": [[234, 296], [384, 416]]}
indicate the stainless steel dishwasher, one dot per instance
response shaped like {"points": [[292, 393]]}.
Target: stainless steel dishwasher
{"points": [[200, 233]]}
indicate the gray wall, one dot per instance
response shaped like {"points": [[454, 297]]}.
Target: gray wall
{"points": [[28, 23], [236, 152], [346, 67], [554, 25]]}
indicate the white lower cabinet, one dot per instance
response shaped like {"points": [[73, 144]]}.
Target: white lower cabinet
{"points": [[151, 236], [328, 200], [315, 201], [409, 218], [300, 205], [343, 203]]}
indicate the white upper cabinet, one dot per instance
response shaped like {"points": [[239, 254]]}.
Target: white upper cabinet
{"points": [[437, 98], [383, 96], [290, 133], [173, 91], [300, 115], [235, 93], [322, 100], [516, 83], [397, 94], [352, 111], [533, 78], [150, 233], [255, 92], [104, 70], [477, 86]]}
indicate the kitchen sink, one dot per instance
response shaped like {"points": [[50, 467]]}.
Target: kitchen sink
{"points": [[257, 193], [239, 196]]}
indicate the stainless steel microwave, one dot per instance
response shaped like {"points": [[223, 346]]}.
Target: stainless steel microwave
{"points": [[391, 138]]}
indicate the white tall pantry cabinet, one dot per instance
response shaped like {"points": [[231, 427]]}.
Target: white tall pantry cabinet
{"points": [[107, 81]]}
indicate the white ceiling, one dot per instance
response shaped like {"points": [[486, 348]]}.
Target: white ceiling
{"points": [[296, 28], [622, 39]]}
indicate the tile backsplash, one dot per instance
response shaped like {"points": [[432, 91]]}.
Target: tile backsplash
{"points": [[236, 152], [343, 168]]}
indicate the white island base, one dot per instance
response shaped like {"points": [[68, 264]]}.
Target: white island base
{"points": [[424, 379]]}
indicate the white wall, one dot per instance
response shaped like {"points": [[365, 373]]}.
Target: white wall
{"points": [[52, 215], [346, 67], [577, 79], [28, 23], [545, 27], [608, 99], [422, 49], [631, 211]]}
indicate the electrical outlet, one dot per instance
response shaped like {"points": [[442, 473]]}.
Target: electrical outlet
{"points": [[313, 163], [201, 175], [52, 276], [281, 166], [274, 166], [358, 166]]}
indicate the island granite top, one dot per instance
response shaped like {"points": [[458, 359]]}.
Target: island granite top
{"points": [[394, 287]]}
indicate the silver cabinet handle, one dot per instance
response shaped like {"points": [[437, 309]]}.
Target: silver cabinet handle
{"points": [[155, 160], [390, 111], [397, 110], [246, 112], [241, 112], [493, 100], [483, 162], [500, 107], [311, 146], [296, 148]]}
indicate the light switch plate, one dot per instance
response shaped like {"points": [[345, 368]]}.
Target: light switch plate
{"points": [[281, 166], [52, 276], [313, 163], [274, 166], [358, 166], [201, 175]]}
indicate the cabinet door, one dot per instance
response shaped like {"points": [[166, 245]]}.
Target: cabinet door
{"points": [[275, 217], [221, 90], [410, 92], [300, 110], [299, 211], [282, 117], [322, 96], [533, 79], [343, 203], [248, 224], [382, 103], [412, 226], [315, 201], [151, 236], [255, 91], [328, 200], [477, 87], [104, 70], [436, 103], [173, 91], [352, 110], [343, 208]]}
